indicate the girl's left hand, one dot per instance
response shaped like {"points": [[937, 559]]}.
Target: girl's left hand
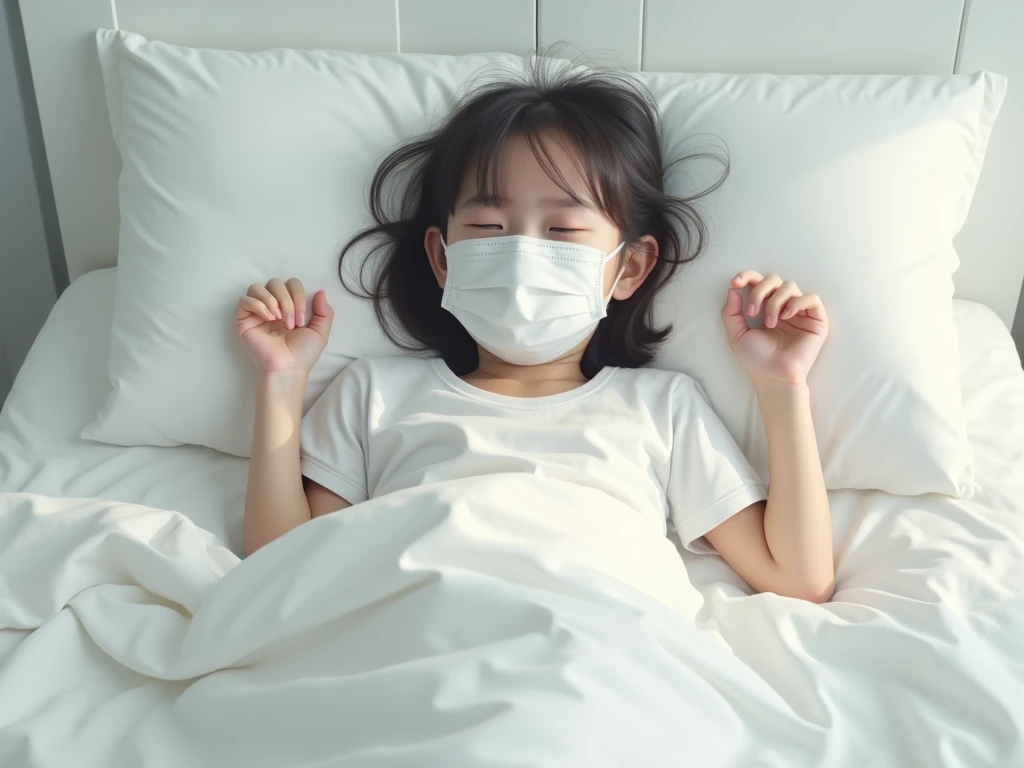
{"points": [[794, 328]]}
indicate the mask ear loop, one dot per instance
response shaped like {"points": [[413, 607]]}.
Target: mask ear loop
{"points": [[618, 277]]}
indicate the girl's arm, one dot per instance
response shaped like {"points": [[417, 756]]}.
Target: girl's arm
{"points": [[271, 322], [784, 545], [275, 500]]}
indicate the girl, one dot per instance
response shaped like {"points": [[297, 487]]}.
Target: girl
{"points": [[531, 235]]}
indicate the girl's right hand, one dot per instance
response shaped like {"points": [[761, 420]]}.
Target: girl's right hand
{"points": [[271, 321]]}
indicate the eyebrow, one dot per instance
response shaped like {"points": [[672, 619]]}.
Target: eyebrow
{"points": [[500, 201]]}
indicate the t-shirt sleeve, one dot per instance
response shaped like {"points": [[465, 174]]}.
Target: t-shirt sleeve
{"points": [[333, 438], [710, 479]]}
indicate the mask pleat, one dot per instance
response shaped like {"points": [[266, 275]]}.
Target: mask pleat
{"points": [[525, 300]]}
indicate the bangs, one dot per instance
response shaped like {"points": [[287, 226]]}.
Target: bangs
{"points": [[487, 162], [477, 139]]}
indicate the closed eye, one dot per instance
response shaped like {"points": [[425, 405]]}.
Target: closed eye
{"points": [[565, 229], [486, 226]]}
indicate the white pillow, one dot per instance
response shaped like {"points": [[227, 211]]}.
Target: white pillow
{"points": [[238, 167], [853, 187], [241, 166]]}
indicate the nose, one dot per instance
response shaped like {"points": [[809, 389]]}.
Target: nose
{"points": [[525, 230]]}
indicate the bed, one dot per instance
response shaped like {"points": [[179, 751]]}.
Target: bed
{"points": [[923, 636], [129, 635]]}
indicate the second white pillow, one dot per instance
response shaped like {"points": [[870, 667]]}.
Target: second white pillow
{"points": [[853, 187]]}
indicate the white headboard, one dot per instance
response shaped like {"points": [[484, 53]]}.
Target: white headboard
{"points": [[781, 36]]}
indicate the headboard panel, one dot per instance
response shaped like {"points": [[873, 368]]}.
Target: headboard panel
{"points": [[783, 36], [354, 25], [799, 36]]}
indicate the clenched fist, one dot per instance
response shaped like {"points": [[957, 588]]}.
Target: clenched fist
{"points": [[795, 326], [277, 328]]}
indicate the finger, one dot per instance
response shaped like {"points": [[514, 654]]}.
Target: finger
{"points": [[245, 318], [322, 315], [284, 299], [732, 316], [298, 294], [257, 291], [255, 307], [775, 304], [748, 277], [809, 304], [760, 292]]}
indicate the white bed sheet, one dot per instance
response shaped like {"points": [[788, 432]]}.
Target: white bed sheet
{"points": [[62, 386]]}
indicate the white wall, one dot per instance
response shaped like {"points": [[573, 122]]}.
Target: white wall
{"points": [[27, 289]]}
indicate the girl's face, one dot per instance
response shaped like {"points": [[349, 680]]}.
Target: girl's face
{"points": [[535, 206]]}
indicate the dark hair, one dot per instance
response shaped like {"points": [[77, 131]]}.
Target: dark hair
{"points": [[612, 126]]}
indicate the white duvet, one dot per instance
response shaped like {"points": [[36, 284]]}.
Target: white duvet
{"points": [[448, 626], [511, 621]]}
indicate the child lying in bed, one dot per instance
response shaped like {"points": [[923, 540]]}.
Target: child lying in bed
{"points": [[532, 237]]}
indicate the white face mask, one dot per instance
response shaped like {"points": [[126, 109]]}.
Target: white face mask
{"points": [[525, 300]]}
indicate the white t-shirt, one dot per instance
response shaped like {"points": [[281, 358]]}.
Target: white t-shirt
{"points": [[645, 436]]}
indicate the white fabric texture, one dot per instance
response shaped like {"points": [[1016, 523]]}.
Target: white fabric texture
{"points": [[852, 187], [241, 166], [58, 391], [646, 438], [468, 634]]}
